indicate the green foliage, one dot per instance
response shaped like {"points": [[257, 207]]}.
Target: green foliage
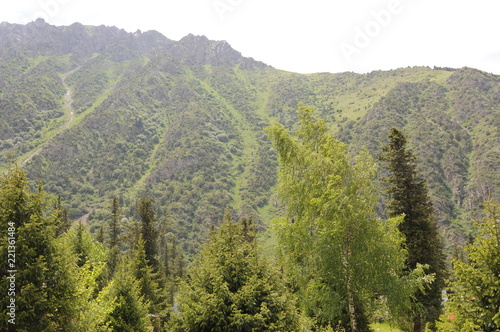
{"points": [[408, 198], [474, 296], [148, 281], [152, 117], [45, 287], [449, 121], [89, 82], [160, 127], [338, 251], [149, 232], [113, 239], [231, 288], [130, 310], [28, 108], [114, 223], [92, 303]]}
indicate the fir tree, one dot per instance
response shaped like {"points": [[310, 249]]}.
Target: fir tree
{"points": [[230, 288], [45, 287], [130, 311], [149, 232], [93, 305], [409, 197], [149, 282], [114, 236], [62, 216], [474, 300], [114, 223]]}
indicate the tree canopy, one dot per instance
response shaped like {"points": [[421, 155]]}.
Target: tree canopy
{"points": [[40, 282], [340, 254], [408, 196], [474, 297], [230, 287]]}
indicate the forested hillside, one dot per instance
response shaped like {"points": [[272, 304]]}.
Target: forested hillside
{"points": [[96, 112]]}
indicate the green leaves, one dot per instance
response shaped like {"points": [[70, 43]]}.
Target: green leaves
{"points": [[337, 250]]}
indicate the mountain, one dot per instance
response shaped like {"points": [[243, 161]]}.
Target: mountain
{"points": [[96, 112]]}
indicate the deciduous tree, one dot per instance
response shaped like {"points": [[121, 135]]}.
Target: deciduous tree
{"points": [[339, 252]]}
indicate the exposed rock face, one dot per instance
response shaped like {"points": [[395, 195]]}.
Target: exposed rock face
{"points": [[200, 49], [39, 38]]}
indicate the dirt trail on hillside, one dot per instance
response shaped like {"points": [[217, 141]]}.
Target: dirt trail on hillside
{"points": [[68, 109]]}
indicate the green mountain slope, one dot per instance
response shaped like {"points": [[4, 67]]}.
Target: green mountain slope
{"points": [[97, 112]]}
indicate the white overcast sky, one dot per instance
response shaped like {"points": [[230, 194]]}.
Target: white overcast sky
{"points": [[304, 36]]}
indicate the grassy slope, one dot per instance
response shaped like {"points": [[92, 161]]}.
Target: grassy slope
{"points": [[238, 103]]}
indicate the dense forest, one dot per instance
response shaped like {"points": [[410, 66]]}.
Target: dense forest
{"points": [[151, 184]]}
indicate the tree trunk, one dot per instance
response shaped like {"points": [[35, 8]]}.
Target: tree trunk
{"points": [[417, 324], [353, 319], [352, 308]]}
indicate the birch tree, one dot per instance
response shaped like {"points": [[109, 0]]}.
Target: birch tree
{"points": [[340, 254]]}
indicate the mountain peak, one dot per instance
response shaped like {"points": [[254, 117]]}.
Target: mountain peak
{"points": [[202, 50], [39, 38], [190, 38]]}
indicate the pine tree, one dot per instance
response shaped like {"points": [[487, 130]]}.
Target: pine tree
{"points": [[230, 287], [44, 287], [114, 236], [338, 252], [150, 283], [79, 245], [93, 305], [149, 232], [62, 216], [409, 197], [114, 223], [100, 235], [130, 310], [171, 268], [474, 300]]}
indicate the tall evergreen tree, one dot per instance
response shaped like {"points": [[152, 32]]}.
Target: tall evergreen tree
{"points": [[62, 216], [474, 303], [114, 223], [114, 236], [93, 305], [41, 284], [130, 310], [230, 287], [149, 232], [409, 197], [152, 285], [171, 267], [79, 245], [339, 253], [145, 275]]}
